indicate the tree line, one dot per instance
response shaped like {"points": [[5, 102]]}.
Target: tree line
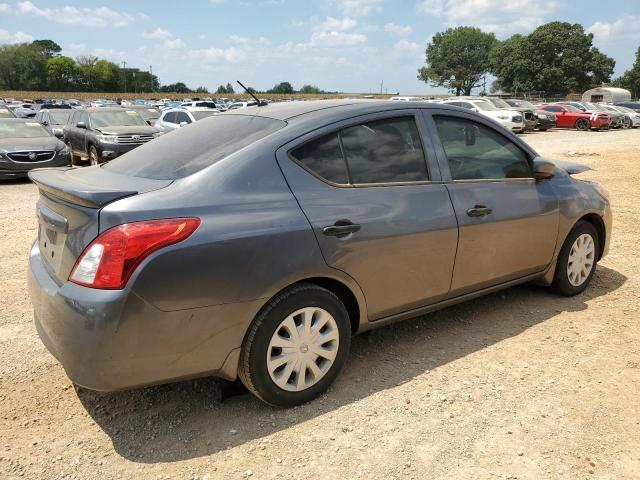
{"points": [[556, 58]]}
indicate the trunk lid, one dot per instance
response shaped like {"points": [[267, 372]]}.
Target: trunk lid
{"points": [[68, 210]]}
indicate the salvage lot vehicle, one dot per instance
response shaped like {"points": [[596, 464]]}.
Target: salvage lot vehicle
{"points": [[528, 114], [544, 120], [102, 133], [510, 119], [6, 112], [279, 231], [149, 113], [25, 145], [175, 118], [616, 119], [568, 116], [54, 120], [631, 117]]}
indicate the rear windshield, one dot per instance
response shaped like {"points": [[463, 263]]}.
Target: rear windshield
{"points": [[22, 130], [115, 118], [197, 146]]}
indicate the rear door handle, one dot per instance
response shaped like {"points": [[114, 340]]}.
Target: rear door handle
{"points": [[479, 211], [341, 228]]}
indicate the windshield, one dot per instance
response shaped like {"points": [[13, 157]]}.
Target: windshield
{"points": [[115, 118], [486, 106], [201, 115], [22, 130], [189, 150], [60, 117], [149, 113], [521, 103], [498, 102]]}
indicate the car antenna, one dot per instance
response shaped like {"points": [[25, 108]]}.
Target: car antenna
{"points": [[260, 102]]}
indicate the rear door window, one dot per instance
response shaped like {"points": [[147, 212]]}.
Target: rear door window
{"points": [[476, 152], [323, 157]]}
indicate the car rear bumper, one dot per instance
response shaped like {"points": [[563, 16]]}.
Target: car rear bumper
{"points": [[113, 339]]}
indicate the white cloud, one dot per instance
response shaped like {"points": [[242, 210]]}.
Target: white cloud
{"points": [[214, 54], [87, 17], [335, 32], [173, 43], [358, 8], [158, 34], [110, 54], [18, 37], [495, 16], [406, 45], [623, 28], [400, 30], [5, 7], [76, 47]]}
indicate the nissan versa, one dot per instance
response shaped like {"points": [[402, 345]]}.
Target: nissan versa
{"points": [[256, 242]]}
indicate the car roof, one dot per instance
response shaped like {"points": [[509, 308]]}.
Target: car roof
{"points": [[17, 120], [104, 109]]}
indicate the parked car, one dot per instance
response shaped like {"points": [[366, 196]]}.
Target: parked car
{"points": [[255, 244], [510, 119], [148, 113], [199, 104], [100, 134], [528, 114], [632, 105], [179, 117], [568, 116], [631, 117], [54, 119], [615, 119], [544, 120], [25, 145], [236, 105]]}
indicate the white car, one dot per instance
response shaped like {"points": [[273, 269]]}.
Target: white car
{"points": [[406, 99], [510, 119], [631, 117], [174, 118], [235, 105], [199, 104]]}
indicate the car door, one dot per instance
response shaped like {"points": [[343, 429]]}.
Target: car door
{"points": [[508, 222], [81, 133], [70, 130], [371, 191], [563, 118]]}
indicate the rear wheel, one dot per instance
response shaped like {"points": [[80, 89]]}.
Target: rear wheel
{"points": [[94, 156], [577, 260], [582, 124], [296, 346], [628, 123]]}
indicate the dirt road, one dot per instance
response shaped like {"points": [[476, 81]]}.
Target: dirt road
{"points": [[520, 384]]}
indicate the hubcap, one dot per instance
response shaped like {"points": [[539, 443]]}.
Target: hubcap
{"points": [[581, 258], [303, 349]]}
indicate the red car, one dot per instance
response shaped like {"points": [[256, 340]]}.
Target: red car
{"points": [[568, 116]]}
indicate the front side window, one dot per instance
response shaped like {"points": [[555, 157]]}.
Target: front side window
{"points": [[476, 152], [553, 108], [183, 117], [170, 117], [381, 151]]}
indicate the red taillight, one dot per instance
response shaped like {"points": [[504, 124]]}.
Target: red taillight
{"points": [[111, 258]]}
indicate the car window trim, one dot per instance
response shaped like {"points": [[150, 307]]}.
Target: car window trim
{"points": [[353, 122], [443, 161]]}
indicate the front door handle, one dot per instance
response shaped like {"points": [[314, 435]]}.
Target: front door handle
{"points": [[341, 228], [479, 211]]}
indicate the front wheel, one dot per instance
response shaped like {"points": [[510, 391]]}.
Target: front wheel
{"points": [[94, 156], [577, 260], [296, 346], [582, 124]]}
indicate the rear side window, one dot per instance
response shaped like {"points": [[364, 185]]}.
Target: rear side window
{"points": [[477, 152], [382, 151], [189, 150]]}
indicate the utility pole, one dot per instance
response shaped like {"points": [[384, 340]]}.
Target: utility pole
{"points": [[151, 80], [124, 71], [381, 85]]}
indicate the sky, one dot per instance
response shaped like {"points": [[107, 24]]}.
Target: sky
{"points": [[338, 45]]}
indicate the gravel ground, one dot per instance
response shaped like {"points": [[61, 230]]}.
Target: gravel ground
{"points": [[520, 384]]}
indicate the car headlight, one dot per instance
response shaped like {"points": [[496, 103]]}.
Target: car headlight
{"points": [[503, 117], [106, 138], [64, 151]]}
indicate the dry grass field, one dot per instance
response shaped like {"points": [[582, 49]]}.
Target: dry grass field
{"points": [[521, 384]]}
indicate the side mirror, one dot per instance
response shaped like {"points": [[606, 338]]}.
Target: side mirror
{"points": [[182, 124], [543, 169], [81, 125]]}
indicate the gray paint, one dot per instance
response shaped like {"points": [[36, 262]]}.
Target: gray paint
{"points": [[186, 309]]}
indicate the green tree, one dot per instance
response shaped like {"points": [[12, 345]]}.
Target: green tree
{"points": [[23, 67], [556, 58], [178, 87], [48, 48], [310, 89], [457, 59], [202, 90], [631, 78], [62, 73], [282, 87], [229, 88]]}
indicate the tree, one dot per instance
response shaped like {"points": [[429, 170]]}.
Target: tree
{"points": [[222, 89], [310, 89], [48, 48], [457, 59], [178, 87], [282, 87], [62, 73], [631, 78], [556, 58], [230, 88], [202, 90]]}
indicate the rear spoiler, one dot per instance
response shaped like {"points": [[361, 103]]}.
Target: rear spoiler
{"points": [[91, 187]]}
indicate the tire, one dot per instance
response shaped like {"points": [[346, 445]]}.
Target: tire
{"points": [[75, 160], [94, 156], [582, 124], [259, 355], [628, 123], [563, 282]]}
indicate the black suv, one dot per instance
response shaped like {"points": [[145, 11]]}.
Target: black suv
{"points": [[101, 134]]}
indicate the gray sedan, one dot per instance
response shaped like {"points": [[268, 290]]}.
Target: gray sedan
{"points": [[255, 243]]}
